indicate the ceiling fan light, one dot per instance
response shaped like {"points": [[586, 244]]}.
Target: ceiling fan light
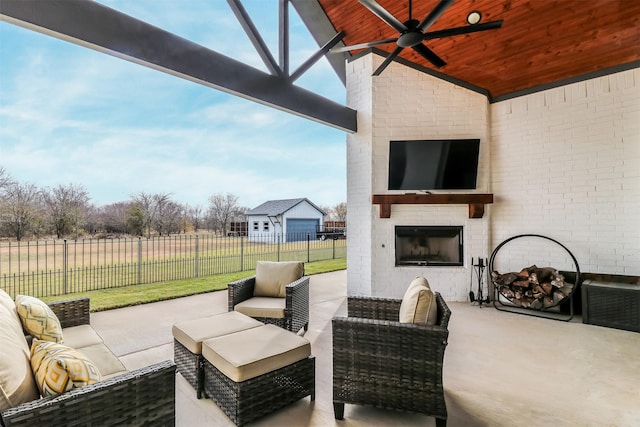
{"points": [[474, 17]]}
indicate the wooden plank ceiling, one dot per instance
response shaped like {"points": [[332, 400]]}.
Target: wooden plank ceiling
{"points": [[541, 42]]}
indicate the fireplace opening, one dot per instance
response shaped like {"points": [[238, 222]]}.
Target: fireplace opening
{"points": [[429, 245]]}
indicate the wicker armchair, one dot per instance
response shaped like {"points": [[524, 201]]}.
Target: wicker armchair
{"points": [[380, 362], [296, 302], [144, 396]]}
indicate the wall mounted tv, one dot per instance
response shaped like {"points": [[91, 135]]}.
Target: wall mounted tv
{"points": [[433, 164]]}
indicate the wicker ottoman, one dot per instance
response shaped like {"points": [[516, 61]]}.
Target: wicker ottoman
{"points": [[189, 335], [254, 372]]}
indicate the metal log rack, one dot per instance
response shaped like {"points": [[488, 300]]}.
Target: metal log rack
{"points": [[544, 312]]}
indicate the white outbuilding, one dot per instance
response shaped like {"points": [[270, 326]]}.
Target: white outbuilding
{"points": [[286, 220]]}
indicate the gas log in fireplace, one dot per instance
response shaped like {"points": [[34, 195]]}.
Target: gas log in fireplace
{"points": [[429, 245]]}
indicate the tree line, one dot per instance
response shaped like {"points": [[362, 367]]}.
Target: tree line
{"points": [[27, 211]]}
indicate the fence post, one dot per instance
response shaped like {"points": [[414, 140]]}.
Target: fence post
{"points": [[197, 257], [65, 266], [139, 260], [241, 254], [279, 236], [308, 247], [334, 249]]}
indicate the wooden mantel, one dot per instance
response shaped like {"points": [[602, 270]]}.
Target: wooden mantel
{"points": [[475, 201]]}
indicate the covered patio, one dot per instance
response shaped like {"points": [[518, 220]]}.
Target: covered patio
{"points": [[500, 369]]}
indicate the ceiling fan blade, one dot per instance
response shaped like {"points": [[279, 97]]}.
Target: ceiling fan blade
{"points": [[382, 13], [434, 14], [387, 61], [429, 55], [462, 30], [362, 45]]}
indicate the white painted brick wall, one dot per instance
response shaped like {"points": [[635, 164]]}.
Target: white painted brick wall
{"points": [[359, 180], [405, 104], [566, 164]]}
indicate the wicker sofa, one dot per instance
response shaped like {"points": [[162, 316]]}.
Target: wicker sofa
{"points": [[144, 396], [381, 362]]}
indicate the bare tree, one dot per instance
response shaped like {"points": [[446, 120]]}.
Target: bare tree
{"points": [[340, 211], [67, 206], [112, 218], [92, 223], [168, 215], [222, 209], [194, 215], [5, 178], [156, 211], [239, 214], [19, 209], [145, 211], [328, 212]]}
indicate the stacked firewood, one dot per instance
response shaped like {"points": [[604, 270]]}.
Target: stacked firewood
{"points": [[533, 287]]}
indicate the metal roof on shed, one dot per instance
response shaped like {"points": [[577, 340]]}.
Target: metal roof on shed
{"points": [[279, 207]]}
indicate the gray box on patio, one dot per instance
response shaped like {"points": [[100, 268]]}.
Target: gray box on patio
{"points": [[611, 304]]}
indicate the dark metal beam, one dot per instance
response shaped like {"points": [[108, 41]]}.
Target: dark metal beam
{"points": [[254, 35], [283, 29], [316, 56], [322, 30], [98, 27]]}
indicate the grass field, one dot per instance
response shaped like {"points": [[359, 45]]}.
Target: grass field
{"points": [[142, 294]]}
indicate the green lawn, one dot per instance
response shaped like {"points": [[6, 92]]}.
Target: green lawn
{"points": [[141, 294]]}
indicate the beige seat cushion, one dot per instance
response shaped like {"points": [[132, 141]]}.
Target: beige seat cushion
{"points": [[87, 342], [17, 384], [273, 277], [254, 352], [81, 336], [103, 358], [263, 307], [418, 305], [191, 333]]}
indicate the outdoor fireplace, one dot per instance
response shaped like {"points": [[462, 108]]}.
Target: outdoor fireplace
{"points": [[429, 245]]}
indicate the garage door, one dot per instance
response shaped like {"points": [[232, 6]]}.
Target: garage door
{"points": [[298, 229]]}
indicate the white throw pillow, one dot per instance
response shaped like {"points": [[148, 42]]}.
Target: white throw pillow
{"points": [[419, 281], [418, 305]]}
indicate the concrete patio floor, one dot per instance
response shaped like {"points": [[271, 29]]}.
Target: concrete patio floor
{"points": [[500, 369]]}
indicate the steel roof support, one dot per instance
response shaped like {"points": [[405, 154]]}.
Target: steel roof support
{"points": [[93, 25], [254, 35], [283, 29]]}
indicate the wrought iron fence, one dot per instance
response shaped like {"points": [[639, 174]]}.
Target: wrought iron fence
{"points": [[58, 267]]}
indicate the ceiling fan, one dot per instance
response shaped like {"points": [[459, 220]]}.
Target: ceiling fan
{"points": [[414, 32]]}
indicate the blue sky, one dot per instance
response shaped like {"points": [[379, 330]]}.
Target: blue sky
{"points": [[69, 114]]}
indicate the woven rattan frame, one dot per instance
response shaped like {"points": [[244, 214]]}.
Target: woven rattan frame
{"points": [[141, 397], [380, 362], [190, 366], [296, 313], [249, 400]]}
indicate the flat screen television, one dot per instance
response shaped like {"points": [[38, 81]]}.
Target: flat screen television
{"points": [[435, 164]]}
